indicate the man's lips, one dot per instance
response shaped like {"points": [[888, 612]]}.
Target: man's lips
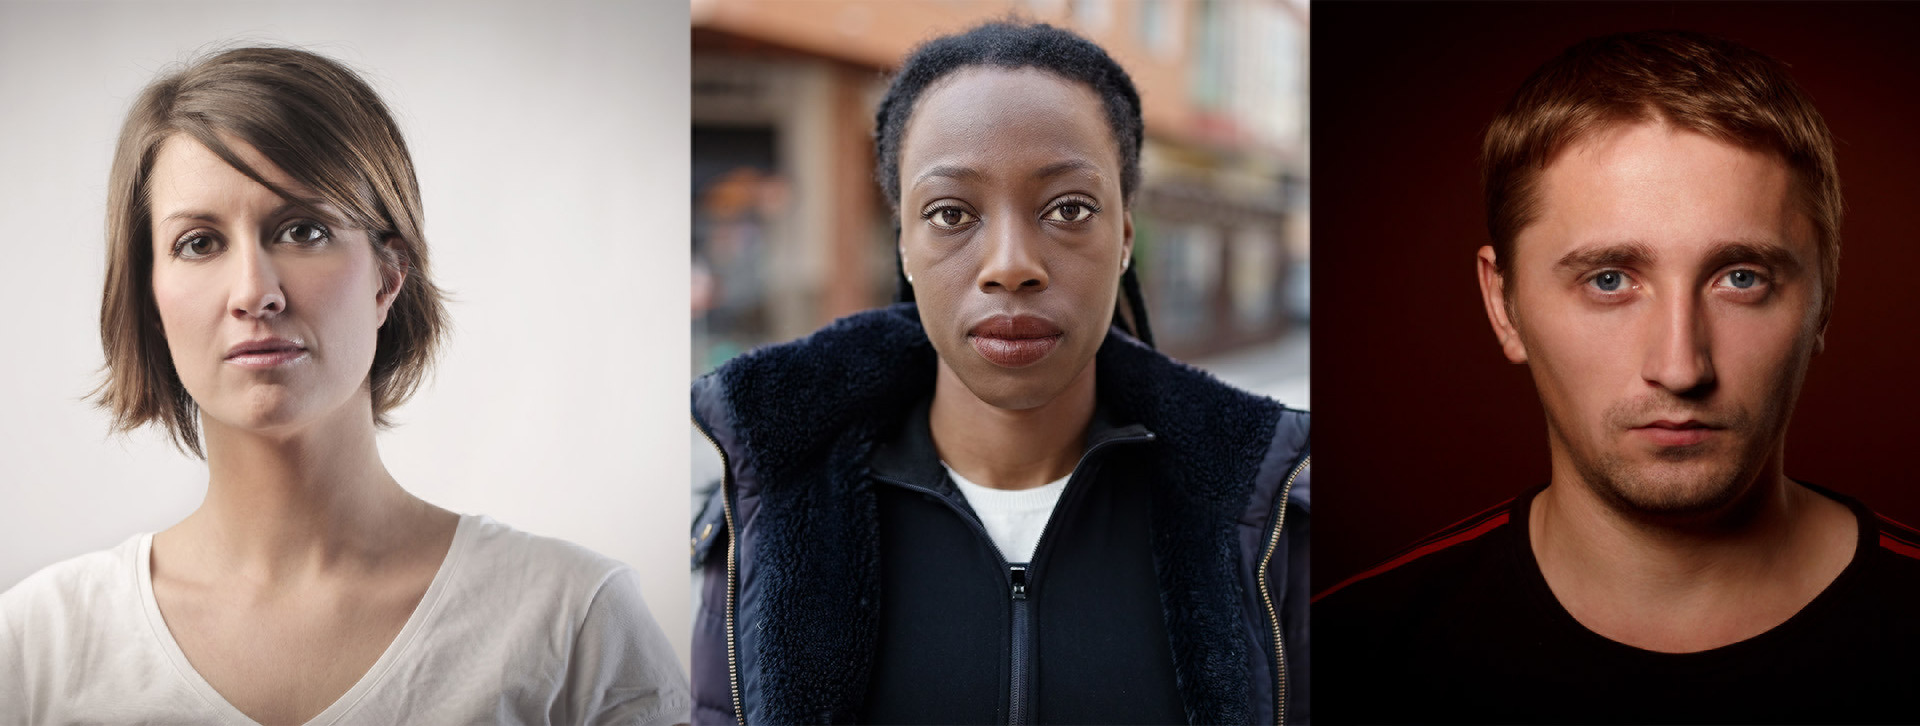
{"points": [[265, 352], [1668, 432], [1014, 341]]}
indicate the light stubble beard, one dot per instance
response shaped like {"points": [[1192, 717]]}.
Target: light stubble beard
{"points": [[1682, 483]]}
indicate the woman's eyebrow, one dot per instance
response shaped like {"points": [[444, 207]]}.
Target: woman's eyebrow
{"points": [[311, 205], [951, 171], [1064, 167]]}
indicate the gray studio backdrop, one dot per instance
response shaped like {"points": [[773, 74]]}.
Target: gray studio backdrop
{"points": [[550, 140]]}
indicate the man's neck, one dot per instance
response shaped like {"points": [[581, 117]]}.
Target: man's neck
{"points": [[1688, 586], [1008, 449]]}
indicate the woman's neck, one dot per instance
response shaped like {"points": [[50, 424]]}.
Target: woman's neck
{"points": [[1007, 449], [281, 503]]}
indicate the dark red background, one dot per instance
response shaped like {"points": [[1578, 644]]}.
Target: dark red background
{"points": [[1419, 419]]}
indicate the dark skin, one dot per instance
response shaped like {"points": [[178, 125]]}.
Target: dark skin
{"points": [[1010, 205]]}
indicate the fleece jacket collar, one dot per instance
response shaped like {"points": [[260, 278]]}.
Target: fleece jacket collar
{"points": [[911, 457], [807, 417]]}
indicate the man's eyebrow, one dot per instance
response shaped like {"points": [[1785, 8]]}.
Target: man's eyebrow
{"points": [[1771, 255], [1623, 254]]}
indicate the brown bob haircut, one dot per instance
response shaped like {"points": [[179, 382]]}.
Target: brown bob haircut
{"points": [[326, 128], [1696, 82]]}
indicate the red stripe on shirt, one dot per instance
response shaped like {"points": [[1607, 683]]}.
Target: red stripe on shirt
{"points": [[1906, 533], [1898, 547], [1422, 551]]}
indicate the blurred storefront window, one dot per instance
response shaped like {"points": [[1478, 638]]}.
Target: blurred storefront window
{"points": [[790, 231]]}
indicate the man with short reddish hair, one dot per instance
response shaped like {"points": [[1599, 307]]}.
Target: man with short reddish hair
{"points": [[1664, 211]]}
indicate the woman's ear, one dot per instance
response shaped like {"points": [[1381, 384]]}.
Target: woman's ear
{"points": [[394, 267]]}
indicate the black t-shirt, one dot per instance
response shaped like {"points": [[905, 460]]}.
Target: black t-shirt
{"points": [[1461, 627]]}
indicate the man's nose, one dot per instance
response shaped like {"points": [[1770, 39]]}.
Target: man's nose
{"points": [[1679, 355]]}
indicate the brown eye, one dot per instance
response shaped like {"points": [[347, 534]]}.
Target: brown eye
{"points": [[949, 217], [1071, 212], [303, 233], [196, 246]]}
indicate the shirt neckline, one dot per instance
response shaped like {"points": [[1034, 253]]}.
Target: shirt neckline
{"points": [[1534, 582], [399, 648], [972, 489]]}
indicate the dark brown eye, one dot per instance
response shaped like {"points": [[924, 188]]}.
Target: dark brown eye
{"points": [[303, 233], [1071, 212], [949, 217]]}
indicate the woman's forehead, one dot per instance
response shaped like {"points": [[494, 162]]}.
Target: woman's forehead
{"points": [[985, 114], [188, 177]]}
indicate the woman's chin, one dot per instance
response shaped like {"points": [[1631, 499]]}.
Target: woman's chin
{"points": [[1016, 389], [266, 410]]}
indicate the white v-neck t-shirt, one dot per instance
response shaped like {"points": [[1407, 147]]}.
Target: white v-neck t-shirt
{"points": [[1014, 519], [514, 629]]}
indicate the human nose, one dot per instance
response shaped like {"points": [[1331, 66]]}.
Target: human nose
{"points": [[255, 291], [1680, 357], [1013, 262]]}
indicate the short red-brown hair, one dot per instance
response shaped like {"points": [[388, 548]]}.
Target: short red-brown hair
{"points": [[1700, 83]]}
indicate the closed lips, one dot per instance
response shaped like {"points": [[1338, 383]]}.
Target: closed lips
{"points": [[1015, 327], [1014, 341], [263, 347]]}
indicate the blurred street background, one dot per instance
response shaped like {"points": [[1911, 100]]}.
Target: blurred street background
{"points": [[790, 232]]}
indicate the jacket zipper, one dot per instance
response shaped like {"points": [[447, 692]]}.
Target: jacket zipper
{"points": [[1266, 596], [733, 581], [1020, 580], [1022, 627]]}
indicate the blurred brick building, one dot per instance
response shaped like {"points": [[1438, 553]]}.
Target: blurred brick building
{"points": [[790, 230]]}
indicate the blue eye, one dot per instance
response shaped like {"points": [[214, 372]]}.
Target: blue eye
{"points": [[1743, 279], [1610, 281]]}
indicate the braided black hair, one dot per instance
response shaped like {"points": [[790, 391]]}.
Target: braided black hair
{"points": [[1016, 45]]}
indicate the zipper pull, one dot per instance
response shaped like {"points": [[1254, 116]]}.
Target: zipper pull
{"points": [[1019, 581]]}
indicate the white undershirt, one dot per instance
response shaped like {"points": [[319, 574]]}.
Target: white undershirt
{"points": [[1014, 518], [514, 629]]}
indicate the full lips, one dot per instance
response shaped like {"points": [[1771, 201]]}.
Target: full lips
{"points": [[1014, 340], [1014, 352]]}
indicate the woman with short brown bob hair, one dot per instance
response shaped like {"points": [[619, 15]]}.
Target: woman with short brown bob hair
{"points": [[267, 303], [349, 155]]}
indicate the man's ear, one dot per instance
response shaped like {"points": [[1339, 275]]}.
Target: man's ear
{"points": [[1826, 314], [1493, 292], [394, 267]]}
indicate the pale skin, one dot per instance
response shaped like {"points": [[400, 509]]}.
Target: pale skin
{"points": [[1667, 300], [306, 557], [1011, 204]]}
